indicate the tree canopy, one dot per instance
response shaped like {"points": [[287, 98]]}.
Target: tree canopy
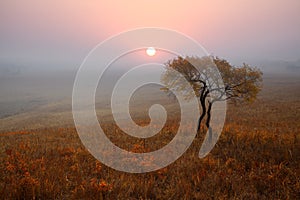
{"points": [[237, 84]]}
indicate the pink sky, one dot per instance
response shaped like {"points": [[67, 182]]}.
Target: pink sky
{"points": [[234, 29]]}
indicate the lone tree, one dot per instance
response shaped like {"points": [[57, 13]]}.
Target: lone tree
{"points": [[238, 84]]}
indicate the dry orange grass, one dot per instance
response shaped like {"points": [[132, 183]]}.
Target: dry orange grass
{"points": [[257, 157]]}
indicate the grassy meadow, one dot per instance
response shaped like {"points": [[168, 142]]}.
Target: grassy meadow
{"points": [[256, 157]]}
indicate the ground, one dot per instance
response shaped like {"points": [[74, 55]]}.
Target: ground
{"points": [[256, 157]]}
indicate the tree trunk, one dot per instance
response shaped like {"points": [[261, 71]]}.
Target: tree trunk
{"points": [[203, 96], [208, 122], [202, 101]]}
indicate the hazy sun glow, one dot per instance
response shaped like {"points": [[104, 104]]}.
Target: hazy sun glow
{"points": [[32, 30], [151, 51]]}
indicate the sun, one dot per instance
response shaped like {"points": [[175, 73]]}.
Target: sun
{"points": [[151, 51]]}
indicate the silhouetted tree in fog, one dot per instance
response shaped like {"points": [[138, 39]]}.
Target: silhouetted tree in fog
{"points": [[238, 84]]}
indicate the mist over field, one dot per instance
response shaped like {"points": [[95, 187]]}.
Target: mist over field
{"points": [[33, 90]]}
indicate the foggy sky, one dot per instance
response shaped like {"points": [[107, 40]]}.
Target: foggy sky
{"points": [[61, 32]]}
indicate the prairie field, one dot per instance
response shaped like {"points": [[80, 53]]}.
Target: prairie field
{"points": [[256, 157]]}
